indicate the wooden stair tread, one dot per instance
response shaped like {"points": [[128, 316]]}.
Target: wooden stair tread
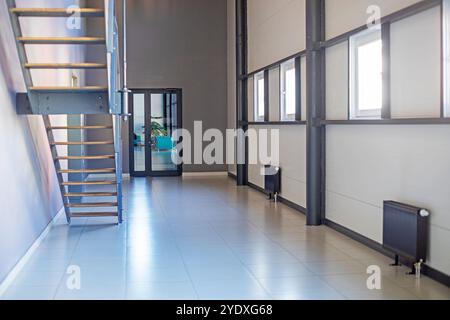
{"points": [[70, 89], [106, 170], [62, 40], [58, 12], [92, 205], [93, 214], [102, 157], [89, 183], [80, 128], [90, 194], [82, 143], [65, 66]]}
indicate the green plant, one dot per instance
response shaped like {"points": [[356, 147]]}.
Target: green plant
{"points": [[158, 130]]}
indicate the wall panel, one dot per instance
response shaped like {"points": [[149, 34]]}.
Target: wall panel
{"points": [[369, 164], [276, 29], [337, 81], [274, 94], [416, 66], [292, 163], [346, 15]]}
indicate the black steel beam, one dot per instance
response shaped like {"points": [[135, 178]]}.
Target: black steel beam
{"points": [[276, 64], [391, 18], [315, 83], [241, 91], [277, 123], [411, 121]]}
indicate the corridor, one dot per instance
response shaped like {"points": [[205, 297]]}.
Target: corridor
{"points": [[204, 238]]}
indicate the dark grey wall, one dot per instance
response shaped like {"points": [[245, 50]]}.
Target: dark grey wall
{"points": [[178, 44], [182, 44]]}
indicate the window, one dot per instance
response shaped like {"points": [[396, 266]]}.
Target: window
{"points": [[288, 91], [366, 75], [259, 97]]}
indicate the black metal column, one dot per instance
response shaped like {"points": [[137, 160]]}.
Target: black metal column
{"points": [[241, 92], [315, 83]]}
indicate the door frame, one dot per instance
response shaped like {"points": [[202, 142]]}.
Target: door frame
{"points": [[149, 172]]}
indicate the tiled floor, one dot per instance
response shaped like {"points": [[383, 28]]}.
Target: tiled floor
{"points": [[203, 238]]}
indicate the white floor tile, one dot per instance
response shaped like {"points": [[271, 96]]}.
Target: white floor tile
{"points": [[201, 238], [161, 291]]}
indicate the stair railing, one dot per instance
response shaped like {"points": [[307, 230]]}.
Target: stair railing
{"points": [[115, 94]]}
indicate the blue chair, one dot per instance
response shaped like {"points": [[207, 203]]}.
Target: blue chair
{"points": [[164, 143]]}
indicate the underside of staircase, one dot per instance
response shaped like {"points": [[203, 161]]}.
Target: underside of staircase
{"points": [[87, 189]]}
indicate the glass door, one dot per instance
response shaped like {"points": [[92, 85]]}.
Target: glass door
{"points": [[156, 114]]}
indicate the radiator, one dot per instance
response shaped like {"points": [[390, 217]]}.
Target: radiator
{"points": [[272, 181], [405, 231]]}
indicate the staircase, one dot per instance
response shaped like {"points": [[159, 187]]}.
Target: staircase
{"points": [[95, 191]]}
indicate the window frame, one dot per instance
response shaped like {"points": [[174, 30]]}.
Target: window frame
{"points": [[284, 68], [257, 104], [355, 42]]}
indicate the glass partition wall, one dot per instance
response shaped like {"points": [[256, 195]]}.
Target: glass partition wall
{"points": [[156, 114]]}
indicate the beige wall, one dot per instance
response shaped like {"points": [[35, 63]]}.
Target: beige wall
{"points": [[416, 86], [346, 15], [292, 162], [292, 142], [369, 164], [337, 80], [276, 30], [365, 164], [274, 95]]}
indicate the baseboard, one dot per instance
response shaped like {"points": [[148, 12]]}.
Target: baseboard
{"points": [[427, 270], [256, 187], [436, 275], [292, 205], [358, 237], [232, 175], [205, 174], [282, 200], [6, 283]]}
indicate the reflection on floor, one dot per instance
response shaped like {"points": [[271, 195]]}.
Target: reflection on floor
{"points": [[203, 238], [162, 161]]}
